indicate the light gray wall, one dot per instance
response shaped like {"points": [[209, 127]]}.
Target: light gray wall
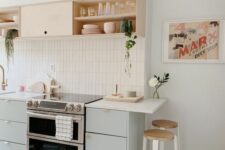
{"points": [[196, 92]]}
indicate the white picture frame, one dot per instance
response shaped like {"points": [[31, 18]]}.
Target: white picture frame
{"points": [[166, 42]]}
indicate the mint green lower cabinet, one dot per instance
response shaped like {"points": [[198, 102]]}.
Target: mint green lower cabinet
{"points": [[105, 142], [114, 130]]}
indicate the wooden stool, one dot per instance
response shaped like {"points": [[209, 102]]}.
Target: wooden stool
{"points": [[168, 124], [157, 136], [164, 124]]}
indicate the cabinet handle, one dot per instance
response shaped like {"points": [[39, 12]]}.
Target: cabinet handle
{"points": [[45, 32]]}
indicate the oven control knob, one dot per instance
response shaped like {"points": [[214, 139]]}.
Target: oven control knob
{"points": [[35, 104], [29, 104], [78, 108], [70, 107]]}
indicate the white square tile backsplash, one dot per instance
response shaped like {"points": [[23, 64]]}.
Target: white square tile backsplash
{"points": [[89, 66]]}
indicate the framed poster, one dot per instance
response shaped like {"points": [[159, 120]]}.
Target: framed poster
{"points": [[199, 41]]}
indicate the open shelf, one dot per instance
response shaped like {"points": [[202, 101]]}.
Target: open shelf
{"points": [[9, 25], [106, 18]]}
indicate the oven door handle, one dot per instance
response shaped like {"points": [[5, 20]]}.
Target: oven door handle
{"points": [[52, 117]]}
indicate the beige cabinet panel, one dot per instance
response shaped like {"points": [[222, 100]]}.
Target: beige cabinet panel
{"points": [[51, 19]]}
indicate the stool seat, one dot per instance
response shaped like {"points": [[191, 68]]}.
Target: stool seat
{"points": [[160, 135], [166, 124]]}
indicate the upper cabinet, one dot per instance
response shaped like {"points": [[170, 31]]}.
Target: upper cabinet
{"points": [[77, 17], [51, 19]]}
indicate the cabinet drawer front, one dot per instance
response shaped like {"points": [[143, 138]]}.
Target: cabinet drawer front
{"points": [[11, 146], [104, 142], [13, 111], [107, 122], [13, 132]]}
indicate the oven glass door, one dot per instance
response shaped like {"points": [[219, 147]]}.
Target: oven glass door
{"points": [[43, 145], [46, 127]]}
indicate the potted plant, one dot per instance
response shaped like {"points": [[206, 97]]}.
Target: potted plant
{"points": [[9, 46], [127, 27], [156, 82]]}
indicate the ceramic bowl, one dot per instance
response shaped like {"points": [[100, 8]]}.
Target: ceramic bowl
{"points": [[109, 27]]}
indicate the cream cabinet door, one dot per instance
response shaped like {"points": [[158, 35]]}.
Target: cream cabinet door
{"points": [[50, 19]]}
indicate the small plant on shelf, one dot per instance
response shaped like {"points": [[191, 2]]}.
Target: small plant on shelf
{"points": [[9, 46], [127, 27]]}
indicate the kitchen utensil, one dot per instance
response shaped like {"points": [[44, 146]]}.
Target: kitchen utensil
{"points": [[91, 11], [83, 12], [109, 27], [90, 26], [91, 31], [131, 94], [100, 9], [107, 8]]}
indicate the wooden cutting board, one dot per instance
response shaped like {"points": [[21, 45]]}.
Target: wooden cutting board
{"points": [[124, 99]]}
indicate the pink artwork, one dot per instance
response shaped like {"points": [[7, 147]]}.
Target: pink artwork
{"points": [[193, 40]]}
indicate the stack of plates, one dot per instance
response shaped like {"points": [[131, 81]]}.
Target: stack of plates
{"points": [[6, 20], [91, 29]]}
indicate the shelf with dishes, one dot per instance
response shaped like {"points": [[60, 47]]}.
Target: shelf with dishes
{"points": [[104, 17]]}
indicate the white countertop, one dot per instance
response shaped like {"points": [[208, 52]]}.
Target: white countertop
{"points": [[147, 106], [19, 96], [5, 92]]}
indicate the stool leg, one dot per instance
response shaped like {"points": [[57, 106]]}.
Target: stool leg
{"points": [[155, 145], [145, 143], [175, 143]]}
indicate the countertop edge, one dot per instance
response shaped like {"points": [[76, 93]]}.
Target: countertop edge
{"points": [[140, 107]]}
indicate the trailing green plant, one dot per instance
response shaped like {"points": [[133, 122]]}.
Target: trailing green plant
{"points": [[9, 46], [129, 44]]}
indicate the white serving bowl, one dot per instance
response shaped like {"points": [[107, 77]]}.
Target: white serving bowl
{"points": [[109, 27]]}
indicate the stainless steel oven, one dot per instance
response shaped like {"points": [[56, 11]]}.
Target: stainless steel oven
{"points": [[43, 125], [41, 118]]}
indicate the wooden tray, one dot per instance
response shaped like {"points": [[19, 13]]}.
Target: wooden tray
{"points": [[124, 99]]}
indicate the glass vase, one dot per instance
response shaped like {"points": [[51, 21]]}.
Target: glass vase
{"points": [[156, 94]]}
